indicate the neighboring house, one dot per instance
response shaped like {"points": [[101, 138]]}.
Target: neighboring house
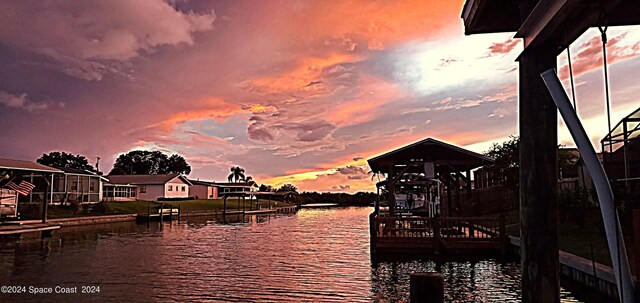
{"points": [[203, 189], [154, 187], [67, 184]]}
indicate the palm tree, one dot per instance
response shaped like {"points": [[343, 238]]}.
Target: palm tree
{"points": [[237, 174], [249, 180], [374, 174]]}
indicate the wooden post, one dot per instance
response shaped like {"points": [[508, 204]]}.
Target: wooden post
{"points": [[468, 182], [44, 199], [161, 212], [224, 205], [373, 232], [391, 189], [377, 201], [449, 208], [436, 234], [636, 239], [538, 180], [427, 287]]}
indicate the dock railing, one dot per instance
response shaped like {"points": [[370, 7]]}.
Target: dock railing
{"points": [[435, 234]]}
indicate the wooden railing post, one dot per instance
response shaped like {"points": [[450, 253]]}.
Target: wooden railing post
{"points": [[436, 234], [504, 238], [472, 229], [373, 232]]}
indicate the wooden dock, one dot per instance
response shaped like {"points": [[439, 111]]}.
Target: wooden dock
{"points": [[413, 235], [161, 215], [18, 229]]}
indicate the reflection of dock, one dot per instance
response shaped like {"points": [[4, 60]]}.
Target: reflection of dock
{"points": [[444, 235], [18, 229]]}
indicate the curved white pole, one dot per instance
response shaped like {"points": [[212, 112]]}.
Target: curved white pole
{"points": [[601, 182]]}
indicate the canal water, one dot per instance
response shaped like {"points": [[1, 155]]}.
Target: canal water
{"points": [[316, 255]]}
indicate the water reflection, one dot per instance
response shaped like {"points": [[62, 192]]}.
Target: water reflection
{"points": [[317, 255]]}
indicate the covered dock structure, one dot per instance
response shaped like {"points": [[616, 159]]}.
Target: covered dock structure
{"points": [[425, 170], [428, 169]]}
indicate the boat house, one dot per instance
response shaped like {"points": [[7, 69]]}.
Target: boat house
{"points": [[422, 215], [427, 177]]}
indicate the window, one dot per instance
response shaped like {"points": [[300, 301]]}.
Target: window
{"points": [[143, 189], [74, 186], [226, 189], [170, 187], [183, 188]]}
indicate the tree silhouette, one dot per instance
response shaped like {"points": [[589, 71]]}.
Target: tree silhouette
{"points": [[143, 162], [288, 187], [65, 160]]}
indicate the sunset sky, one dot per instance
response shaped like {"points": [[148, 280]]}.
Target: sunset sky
{"points": [[298, 92]]}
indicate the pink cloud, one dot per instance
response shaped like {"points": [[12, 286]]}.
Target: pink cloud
{"points": [[502, 48], [589, 55], [84, 37]]}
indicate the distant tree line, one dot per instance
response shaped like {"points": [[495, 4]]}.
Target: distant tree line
{"points": [[357, 199], [137, 162]]}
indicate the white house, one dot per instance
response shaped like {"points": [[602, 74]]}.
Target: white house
{"points": [[154, 187]]}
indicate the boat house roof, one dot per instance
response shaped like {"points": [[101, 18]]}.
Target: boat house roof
{"points": [[430, 150]]}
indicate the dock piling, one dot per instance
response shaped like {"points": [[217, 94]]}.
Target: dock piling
{"points": [[426, 287]]}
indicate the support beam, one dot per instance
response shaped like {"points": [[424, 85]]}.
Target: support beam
{"points": [[538, 185]]}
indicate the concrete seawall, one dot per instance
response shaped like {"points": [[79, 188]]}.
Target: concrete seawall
{"points": [[579, 272], [89, 220]]}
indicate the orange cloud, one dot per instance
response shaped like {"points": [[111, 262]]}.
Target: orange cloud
{"points": [[372, 25], [209, 108], [304, 77], [372, 93]]}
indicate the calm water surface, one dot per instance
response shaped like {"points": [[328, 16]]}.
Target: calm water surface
{"points": [[316, 255]]}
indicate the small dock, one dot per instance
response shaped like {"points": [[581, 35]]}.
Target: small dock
{"points": [[18, 229], [161, 215], [413, 235]]}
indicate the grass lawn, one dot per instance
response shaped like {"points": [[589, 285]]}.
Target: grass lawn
{"points": [[139, 207]]}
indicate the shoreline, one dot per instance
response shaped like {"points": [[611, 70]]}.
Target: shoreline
{"points": [[106, 219]]}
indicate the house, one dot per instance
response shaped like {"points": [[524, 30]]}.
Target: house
{"points": [[153, 187], [203, 189]]}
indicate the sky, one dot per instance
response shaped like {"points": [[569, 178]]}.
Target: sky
{"points": [[299, 92]]}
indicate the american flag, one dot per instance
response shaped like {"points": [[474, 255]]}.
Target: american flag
{"points": [[24, 188]]}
